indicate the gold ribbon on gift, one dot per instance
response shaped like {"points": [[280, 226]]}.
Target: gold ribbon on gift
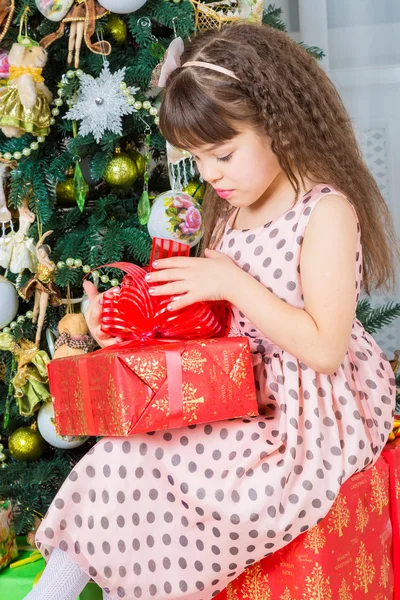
{"points": [[34, 72], [31, 381], [83, 10]]}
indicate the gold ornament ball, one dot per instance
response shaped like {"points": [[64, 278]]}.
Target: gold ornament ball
{"points": [[196, 189], [121, 171], [116, 27], [139, 161], [26, 443], [65, 192]]}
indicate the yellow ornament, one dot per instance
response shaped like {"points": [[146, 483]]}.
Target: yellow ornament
{"points": [[26, 443], [121, 171], [116, 27], [139, 161], [65, 191], [196, 189]]}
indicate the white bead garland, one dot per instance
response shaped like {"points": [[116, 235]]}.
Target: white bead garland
{"points": [[19, 321], [76, 263]]}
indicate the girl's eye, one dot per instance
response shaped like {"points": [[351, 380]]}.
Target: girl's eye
{"points": [[225, 158]]}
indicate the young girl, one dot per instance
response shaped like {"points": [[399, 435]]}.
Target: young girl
{"points": [[180, 514]]}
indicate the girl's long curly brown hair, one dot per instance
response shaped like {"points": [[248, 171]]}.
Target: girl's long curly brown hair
{"points": [[281, 92]]}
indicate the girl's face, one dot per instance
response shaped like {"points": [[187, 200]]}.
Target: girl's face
{"points": [[240, 170]]}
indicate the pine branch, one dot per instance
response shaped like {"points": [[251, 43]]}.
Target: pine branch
{"points": [[272, 16], [374, 319]]}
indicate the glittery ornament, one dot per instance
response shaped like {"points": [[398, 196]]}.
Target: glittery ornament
{"points": [[176, 216], [196, 189], [65, 192], [121, 171], [144, 202], [26, 443], [101, 103], [116, 27], [139, 161], [81, 188]]}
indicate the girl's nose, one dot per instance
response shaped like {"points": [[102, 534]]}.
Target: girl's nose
{"points": [[211, 173]]}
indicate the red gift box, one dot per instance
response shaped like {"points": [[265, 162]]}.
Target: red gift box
{"points": [[352, 554], [138, 387]]}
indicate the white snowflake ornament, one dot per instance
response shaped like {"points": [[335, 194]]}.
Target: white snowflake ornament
{"points": [[101, 103]]}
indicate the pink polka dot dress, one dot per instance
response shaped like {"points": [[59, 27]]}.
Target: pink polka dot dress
{"points": [[179, 514]]}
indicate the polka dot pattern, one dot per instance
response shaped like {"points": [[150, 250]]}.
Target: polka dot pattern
{"points": [[178, 514]]}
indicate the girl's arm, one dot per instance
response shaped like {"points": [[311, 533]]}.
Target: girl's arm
{"points": [[319, 335]]}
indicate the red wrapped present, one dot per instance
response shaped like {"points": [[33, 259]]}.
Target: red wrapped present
{"points": [[160, 377], [135, 387], [352, 554]]}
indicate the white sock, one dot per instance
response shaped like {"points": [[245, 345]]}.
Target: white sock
{"points": [[62, 579]]}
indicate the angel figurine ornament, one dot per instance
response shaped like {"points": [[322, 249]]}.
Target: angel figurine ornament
{"points": [[81, 18], [23, 255], [42, 285], [17, 250]]}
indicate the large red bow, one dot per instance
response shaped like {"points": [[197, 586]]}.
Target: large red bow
{"points": [[133, 314]]}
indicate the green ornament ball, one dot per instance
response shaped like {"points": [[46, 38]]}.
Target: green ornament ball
{"points": [[196, 189], [25, 444], [121, 171], [139, 161], [65, 192]]}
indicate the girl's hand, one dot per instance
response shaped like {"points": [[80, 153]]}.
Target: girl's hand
{"points": [[193, 280], [93, 314]]}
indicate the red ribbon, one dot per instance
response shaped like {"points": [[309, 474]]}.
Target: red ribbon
{"points": [[87, 407], [133, 314]]}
